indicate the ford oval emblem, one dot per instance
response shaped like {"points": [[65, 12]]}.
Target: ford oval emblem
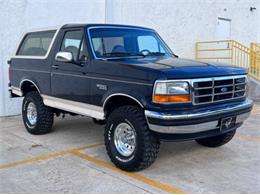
{"points": [[224, 89]]}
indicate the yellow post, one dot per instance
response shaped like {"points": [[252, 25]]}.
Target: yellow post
{"points": [[251, 67], [232, 52]]}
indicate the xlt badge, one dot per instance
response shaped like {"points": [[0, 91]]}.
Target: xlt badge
{"points": [[102, 87]]}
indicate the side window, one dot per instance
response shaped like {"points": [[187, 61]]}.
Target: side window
{"points": [[36, 43], [71, 43], [150, 43]]}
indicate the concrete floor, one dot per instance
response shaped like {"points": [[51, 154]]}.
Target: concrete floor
{"points": [[57, 162]]}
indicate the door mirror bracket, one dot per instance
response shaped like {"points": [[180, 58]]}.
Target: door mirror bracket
{"points": [[82, 61]]}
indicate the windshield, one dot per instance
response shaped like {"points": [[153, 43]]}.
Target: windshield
{"points": [[126, 42]]}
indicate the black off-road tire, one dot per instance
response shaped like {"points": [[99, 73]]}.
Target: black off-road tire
{"points": [[218, 140], [147, 144], [45, 114]]}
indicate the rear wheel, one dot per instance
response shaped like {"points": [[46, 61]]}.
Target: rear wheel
{"points": [[130, 144], [37, 118], [218, 140]]}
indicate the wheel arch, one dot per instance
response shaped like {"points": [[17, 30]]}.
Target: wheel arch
{"points": [[27, 85], [111, 102]]}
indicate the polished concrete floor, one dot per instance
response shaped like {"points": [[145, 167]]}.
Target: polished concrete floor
{"points": [[72, 159]]}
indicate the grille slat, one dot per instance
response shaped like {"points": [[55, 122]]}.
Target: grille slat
{"points": [[242, 90], [204, 95], [224, 86], [223, 93], [218, 89]]}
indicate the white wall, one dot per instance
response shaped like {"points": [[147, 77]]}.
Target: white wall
{"points": [[258, 21], [183, 22], [19, 16], [180, 22]]}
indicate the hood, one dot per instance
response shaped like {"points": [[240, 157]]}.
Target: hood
{"points": [[179, 68]]}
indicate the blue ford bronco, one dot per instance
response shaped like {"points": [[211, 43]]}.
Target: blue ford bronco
{"points": [[128, 79]]}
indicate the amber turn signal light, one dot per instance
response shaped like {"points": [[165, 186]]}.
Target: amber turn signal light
{"points": [[172, 98]]}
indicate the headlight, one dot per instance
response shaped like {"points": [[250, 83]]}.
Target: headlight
{"points": [[171, 92]]}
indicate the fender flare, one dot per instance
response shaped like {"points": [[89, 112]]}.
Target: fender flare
{"points": [[30, 81], [121, 94]]}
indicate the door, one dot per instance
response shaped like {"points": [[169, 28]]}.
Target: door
{"points": [[223, 33], [69, 80], [223, 29]]}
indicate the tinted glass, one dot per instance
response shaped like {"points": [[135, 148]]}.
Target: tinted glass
{"points": [[124, 42], [149, 43], [104, 45], [36, 43], [71, 42]]}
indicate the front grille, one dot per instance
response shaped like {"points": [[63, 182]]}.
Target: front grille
{"points": [[209, 90]]}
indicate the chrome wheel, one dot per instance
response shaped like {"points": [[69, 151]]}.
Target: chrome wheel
{"points": [[32, 113], [125, 139]]}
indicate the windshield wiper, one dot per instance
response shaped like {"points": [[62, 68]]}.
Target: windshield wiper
{"points": [[122, 54], [156, 54], [113, 54]]}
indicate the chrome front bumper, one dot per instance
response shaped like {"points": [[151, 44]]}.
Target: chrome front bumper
{"points": [[156, 119]]}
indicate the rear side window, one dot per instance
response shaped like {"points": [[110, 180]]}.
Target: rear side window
{"points": [[36, 43]]}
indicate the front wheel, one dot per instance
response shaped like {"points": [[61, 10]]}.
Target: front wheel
{"points": [[37, 118], [218, 140], [130, 144]]}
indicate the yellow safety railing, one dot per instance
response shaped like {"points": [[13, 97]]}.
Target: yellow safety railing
{"points": [[255, 60], [232, 52]]}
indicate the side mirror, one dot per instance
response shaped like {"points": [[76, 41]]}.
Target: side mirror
{"points": [[64, 56]]}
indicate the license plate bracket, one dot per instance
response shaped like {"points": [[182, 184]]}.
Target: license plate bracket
{"points": [[227, 123]]}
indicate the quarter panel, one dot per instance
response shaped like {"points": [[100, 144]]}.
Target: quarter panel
{"points": [[36, 70]]}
